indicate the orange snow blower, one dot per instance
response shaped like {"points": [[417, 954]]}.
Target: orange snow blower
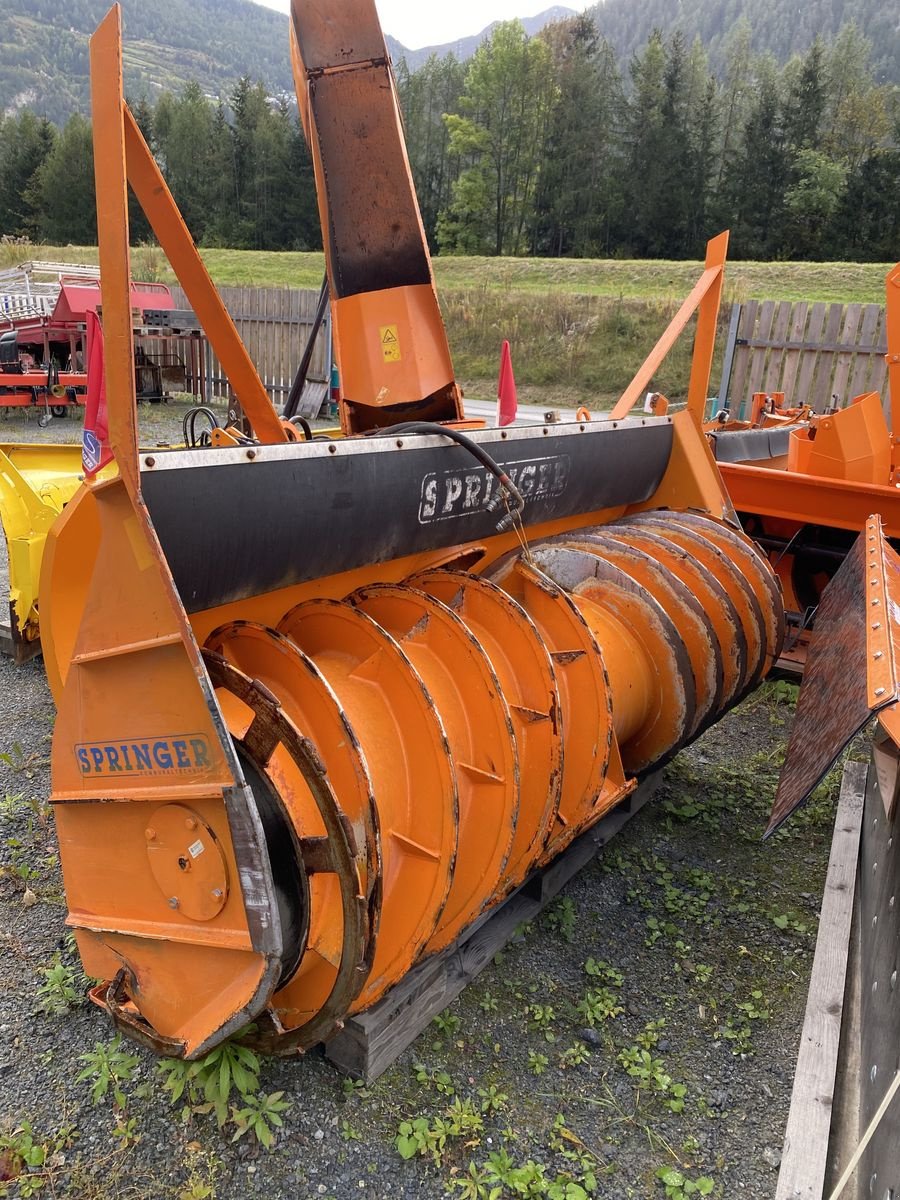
{"points": [[322, 703]]}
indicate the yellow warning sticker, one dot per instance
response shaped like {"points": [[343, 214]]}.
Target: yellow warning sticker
{"points": [[390, 343]]}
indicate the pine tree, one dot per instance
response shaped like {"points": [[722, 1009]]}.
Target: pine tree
{"points": [[63, 188], [25, 144], [758, 175], [509, 95], [580, 178]]}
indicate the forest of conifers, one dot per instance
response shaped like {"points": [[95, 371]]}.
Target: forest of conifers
{"points": [[534, 146]]}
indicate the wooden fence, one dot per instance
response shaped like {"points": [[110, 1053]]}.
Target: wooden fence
{"points": [[274, 325], [820, 354]]}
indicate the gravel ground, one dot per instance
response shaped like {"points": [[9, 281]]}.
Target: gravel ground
{"points": [[649, 1019]]}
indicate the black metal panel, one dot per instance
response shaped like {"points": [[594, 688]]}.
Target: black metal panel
{"points": [[751, 445], [374, 229], [236, 529]]}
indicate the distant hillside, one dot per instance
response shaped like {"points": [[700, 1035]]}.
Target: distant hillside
{"points": [[465, 47], [782, 27], [44, 49], [44, 52]]}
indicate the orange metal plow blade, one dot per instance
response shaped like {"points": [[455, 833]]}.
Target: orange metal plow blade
{"points": [[851, 668]]}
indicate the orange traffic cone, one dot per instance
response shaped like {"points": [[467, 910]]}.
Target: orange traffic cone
{"points": [[507, 405]]}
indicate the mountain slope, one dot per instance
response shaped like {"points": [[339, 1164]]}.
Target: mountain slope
{"points": [[464, 48], [44, 52], [782, 27], [44, 48]]}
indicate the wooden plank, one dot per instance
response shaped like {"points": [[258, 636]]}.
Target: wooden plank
{"points": [[792, 358], [758, 357], [780, 324], [805, 1155], [808, 358], [738, 389], [844, 361], [868, 333], [371, 1041], [845, 1120], [820, 389], [728, 356], [878, 370]]}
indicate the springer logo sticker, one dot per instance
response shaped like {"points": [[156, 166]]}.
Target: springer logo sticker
{"points": [[171, 754], [449, 494]]}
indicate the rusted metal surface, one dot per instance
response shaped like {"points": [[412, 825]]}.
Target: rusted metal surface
{"points": [[274, 745], [834, 703], [714, 558]]}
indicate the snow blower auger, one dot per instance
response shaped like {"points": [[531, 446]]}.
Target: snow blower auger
{"points": [[322, 703]]}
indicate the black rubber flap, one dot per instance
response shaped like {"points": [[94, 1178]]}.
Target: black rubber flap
{"points": [[237, 529], [752, 445]]}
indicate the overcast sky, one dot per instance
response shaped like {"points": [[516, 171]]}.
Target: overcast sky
{"points": [[417, 23]]}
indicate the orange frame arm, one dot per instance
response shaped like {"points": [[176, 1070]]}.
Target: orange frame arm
{"points": [[892, 329], [123, 157], [704, 299]]}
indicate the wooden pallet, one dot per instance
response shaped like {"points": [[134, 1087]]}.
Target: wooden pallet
{"points": [[22, 652], [371, 1041]]}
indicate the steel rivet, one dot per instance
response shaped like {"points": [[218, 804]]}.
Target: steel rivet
{"points": [[251, 454], [217, 893], [173, 902], [874, 986], [875, 921], [150, 835], [879, 691], [875, 601], [893, 980], [876, 625], [872, 1075], [878, 654]]}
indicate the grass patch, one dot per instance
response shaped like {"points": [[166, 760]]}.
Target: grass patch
{"points": [[632, 279], [578, 328]]}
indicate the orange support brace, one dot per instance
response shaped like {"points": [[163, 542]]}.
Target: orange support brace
{"points": [[115, 257], [703, 299], [892, 329], [166, 221]]}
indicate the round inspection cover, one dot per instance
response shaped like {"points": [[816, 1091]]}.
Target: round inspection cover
{"points": [[186, 862]]}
